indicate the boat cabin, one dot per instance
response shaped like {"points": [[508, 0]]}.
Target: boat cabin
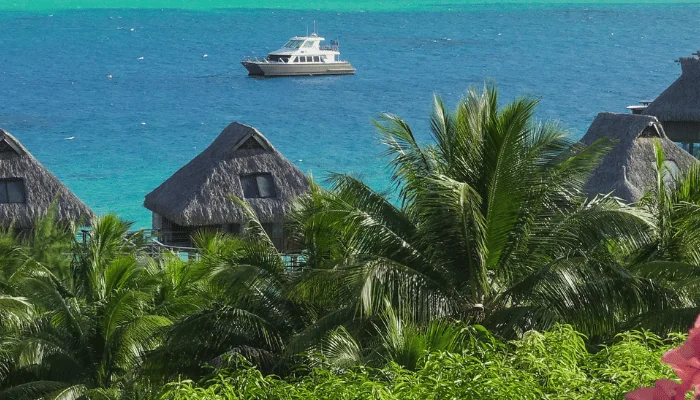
{"points": [[306, 49]]}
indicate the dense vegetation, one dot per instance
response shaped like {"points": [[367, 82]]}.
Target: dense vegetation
{"points": [[438, 289], [554, 365]]}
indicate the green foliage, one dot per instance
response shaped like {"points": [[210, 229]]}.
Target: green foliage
{"points": [[487, 273], [85, 320], [550, 365], [492, 226]]}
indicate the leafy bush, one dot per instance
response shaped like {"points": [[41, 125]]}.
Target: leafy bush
{"points": [[550, 365]]}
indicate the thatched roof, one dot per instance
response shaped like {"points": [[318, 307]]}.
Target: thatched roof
{"points": [[41, 187], [681, 100], [628, 170], [198, 194]]}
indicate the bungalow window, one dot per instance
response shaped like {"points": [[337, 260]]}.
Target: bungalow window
{"points": [[268, 228], [258, 186], [233, 228], [12, 191], [6, 148]]}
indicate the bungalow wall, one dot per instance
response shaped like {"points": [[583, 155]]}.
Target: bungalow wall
{"points": [[172, 234]]}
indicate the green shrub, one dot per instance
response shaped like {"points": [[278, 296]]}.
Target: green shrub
{"points": [[550, 365]]}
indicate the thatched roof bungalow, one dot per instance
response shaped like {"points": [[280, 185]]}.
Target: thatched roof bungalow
{"points": [[240, 162], [27, 189], [678, 107], [628, 170]]}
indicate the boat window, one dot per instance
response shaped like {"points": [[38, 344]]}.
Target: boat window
{"points": [[303, 59], [293, 44], [258, 186], [12, 191], [309, 43], [273, 57], [317, 59]]}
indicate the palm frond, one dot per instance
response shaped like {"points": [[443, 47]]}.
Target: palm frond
{"points": [[341, 349]]}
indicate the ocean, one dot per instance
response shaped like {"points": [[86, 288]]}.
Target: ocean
{"points": [[176, 81]]}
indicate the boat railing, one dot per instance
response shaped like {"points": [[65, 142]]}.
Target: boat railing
{"points": [[331, 48], [251, 59], [265, 60]]}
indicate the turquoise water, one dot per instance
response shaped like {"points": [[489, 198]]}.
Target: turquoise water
{"points": [[114, 140], [333, 5]]}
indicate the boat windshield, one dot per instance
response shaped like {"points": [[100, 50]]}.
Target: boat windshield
{"points": [[293, 44]]}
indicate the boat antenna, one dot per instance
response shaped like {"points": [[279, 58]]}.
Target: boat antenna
{"points": [[315, 29], [307, 28]]}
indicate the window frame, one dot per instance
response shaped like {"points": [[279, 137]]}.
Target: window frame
{"points": [[254, 176], [294, 44], [6, 199]]}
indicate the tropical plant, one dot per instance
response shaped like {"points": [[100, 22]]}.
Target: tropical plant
{"points": [[396, 339], [671, 258], [551, 365], [486, 229], [684, 361], [492, 226], [241, 307], [91, 319]]}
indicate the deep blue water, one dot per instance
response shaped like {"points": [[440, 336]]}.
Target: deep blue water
{"points": [[134, 130]]}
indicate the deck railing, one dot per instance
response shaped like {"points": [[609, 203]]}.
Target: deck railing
{"points": [[155, 247]]}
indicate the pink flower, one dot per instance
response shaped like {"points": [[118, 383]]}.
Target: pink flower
{"points": [[685, 360], [664, 389]]}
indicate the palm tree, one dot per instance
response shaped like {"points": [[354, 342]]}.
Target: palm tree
{"points": [[672, 257], [241, 305], [394, 338], [92, 317], [491, 225]]}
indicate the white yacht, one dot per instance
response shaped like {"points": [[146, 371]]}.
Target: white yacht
{"points": [[301, 55]]}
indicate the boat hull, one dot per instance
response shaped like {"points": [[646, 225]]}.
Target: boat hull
{"points": [[257, 68]]}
